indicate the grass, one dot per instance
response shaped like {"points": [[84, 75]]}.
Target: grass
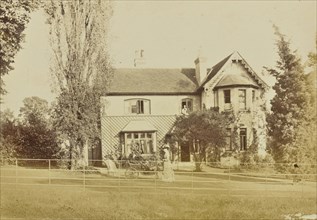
{"points": [[36, 202], [137, 198]]}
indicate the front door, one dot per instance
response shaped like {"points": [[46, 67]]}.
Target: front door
{"points": [[185, 154]]}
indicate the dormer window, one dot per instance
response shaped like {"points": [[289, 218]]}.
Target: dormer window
{"points": [[137, 106]]}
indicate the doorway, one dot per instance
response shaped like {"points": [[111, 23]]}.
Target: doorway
{"points": [[185, 153]]}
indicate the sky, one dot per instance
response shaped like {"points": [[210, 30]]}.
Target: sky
{"points": [[173, 34]]}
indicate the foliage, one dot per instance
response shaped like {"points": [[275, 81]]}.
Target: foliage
{"points": [[312, 57], [81, 68], [252, 161], [7, 136], [31, 135], [205, 129], [36, 137], [291, 124], [14, 15]]}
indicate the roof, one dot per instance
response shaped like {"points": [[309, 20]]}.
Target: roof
{"points": [[138, 126], [153, 81], [139, 81], [236, 79], [215, 69]]}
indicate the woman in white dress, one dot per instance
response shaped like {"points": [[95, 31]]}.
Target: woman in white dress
{"points": [[168, 172]]}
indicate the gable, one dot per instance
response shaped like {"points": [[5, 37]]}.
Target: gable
{"points": [[224, 74], [236, 75]]}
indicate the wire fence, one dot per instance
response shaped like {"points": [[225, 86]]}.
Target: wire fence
{"points": [[121, 176]]}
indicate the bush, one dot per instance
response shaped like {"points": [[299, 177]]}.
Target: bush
{"points": [[251, 160], [7, 152]]}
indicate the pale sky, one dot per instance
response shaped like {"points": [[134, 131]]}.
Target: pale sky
{"points": [[173, 34]]}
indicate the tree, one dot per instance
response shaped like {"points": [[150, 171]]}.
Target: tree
{"points": [[8, 135], [34, 111], [204, 129], [14, 15], [312, 57], [31, 135], [291, 114], [36, 138], [78, 31]]}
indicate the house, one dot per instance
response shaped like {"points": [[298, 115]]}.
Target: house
{"points": [[142, 103]]}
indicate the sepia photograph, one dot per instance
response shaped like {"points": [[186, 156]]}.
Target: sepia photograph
{"points": [[158, 110]]}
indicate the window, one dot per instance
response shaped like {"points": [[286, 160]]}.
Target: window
{"points": [[227, 96], [187, 106], [243, 139], [242, 98], [253, 96], [228, 140], [227, 99], [137, 106], [140, 141]]}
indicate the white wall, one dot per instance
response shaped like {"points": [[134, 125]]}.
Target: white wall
{"points": [[160, 104], [234, 92]]}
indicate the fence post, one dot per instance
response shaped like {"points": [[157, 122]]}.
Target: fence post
{"points": [[229, 177], [302, 183], [229, 171], [16, 172], [84, 177], [119, 173], [266, 176], [155, 176], [193, 179], [49, 172]]}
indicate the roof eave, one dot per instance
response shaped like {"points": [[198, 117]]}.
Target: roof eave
{"points": [[237, 85], [151, 93]]}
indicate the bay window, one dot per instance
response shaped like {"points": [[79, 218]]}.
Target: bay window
{"points": [[142, 142]]}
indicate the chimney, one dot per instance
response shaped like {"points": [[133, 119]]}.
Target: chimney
{"points": [[201, 69], [139, 59]]}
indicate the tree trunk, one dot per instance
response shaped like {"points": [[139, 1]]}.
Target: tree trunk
{"points": [[197, 160], [85, 154], [82, 160], [71, 163]]}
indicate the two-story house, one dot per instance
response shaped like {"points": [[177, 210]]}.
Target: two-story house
{"points": [[142, 104]]}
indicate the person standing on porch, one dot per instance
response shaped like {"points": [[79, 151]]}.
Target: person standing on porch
{"points": [[168, 172]]}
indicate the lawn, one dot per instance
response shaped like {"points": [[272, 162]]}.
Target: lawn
{"points": [[207, 197]]}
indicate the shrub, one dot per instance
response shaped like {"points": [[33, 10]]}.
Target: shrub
{"points": [[7, 152]]}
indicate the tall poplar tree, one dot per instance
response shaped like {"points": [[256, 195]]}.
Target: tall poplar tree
{"points": [[78, 35], [290, 123]]}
